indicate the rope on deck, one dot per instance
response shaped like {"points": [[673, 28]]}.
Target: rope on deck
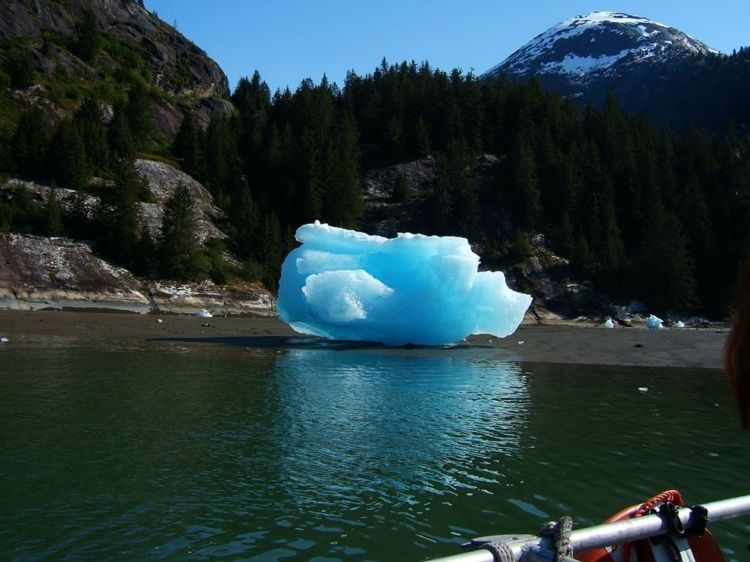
{"points": [[560, 533], [501, 552]]}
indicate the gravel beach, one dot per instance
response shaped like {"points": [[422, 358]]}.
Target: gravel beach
{"points": [[571, 344]]}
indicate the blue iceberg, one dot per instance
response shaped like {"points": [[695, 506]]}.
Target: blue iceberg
{"points": [[413, 289]]}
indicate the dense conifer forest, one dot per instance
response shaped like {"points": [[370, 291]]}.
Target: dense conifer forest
{"points": [[646, 213]]}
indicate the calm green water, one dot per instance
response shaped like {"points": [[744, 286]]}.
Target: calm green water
{"points": [[265, 449]]}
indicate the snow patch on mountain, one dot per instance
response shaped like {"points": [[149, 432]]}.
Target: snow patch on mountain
{"points": [[598, 42]]}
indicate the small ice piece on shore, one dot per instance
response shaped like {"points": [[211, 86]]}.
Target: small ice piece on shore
{"points": [[3, 339], [203, 313], [608, 323], [679, 324], [654, 322], [412, 289], [642, 389]]}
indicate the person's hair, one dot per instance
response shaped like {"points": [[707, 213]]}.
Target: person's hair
{"points": [[737, 350]]}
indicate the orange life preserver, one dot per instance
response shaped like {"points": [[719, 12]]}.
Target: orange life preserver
{"points": [[703, 548]]}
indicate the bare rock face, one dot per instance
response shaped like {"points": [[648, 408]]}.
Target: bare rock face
{"points": [[384, 215], [191, 80], [179, 65], [387, 216], [39, 272], [162, 179], [217, 300]]}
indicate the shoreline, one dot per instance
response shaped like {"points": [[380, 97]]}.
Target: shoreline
{"points": [[564, 342]]}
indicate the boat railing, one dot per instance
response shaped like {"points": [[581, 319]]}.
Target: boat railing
{"points": [[536, 548]]}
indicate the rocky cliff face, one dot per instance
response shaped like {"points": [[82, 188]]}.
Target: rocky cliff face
{"points": [[178, 65], [37, 272], [161, 179], [136, 41]]}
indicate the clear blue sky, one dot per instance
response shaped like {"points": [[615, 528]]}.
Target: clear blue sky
{"points": [[290, 40]]}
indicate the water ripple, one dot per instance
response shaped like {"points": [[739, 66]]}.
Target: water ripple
{"points": [[315, 452]]}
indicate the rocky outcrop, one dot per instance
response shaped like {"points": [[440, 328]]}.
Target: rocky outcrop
{"points": [[385, 214], [218, 300], [37, 272], [179, 66], [162, 179], [190, 80]]}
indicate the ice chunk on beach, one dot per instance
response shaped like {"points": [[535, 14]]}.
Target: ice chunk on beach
{"points": [[413, 289], [654, 322]]}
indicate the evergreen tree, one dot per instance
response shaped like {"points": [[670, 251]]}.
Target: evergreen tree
{"points": [[274, 249], [90, 123], [246, 220], [393, 139], [666, 268], [564, 235], [463, 189], [179, 248], [421, 138], [439, 218], [6, 161], [597, 205], [119, 137], [52, 216], [252, 98], [525, 176], [22, 213], [29, 143], [6, 215], [118, 218], [342, 199], [20, 67], [86, 40], [401, 189], [222, 170], [68, 156], [139, 117], [187, 147]]}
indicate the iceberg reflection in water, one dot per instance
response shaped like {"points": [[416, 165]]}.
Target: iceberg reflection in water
{"points": [[376, 429]]}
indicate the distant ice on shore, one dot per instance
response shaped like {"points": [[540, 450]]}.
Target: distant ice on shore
{"points": [[413, 289]]}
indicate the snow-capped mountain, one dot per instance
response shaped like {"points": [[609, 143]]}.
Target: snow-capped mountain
{"points": [[589, 56]]}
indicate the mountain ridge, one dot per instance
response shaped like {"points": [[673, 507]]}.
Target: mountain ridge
{"points": [[653, 70], [598, 41]]}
